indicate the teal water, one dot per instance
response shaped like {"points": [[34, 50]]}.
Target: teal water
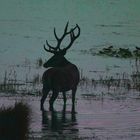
{"points": [[24, 27]]}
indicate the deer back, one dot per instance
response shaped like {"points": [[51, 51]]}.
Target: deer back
{"points": [[61, 78]]}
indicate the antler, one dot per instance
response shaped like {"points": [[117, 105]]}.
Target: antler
{"points": [[59, 40], [73, 36]]}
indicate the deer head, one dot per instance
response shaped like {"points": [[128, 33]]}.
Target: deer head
{"points": [[58, 58]]}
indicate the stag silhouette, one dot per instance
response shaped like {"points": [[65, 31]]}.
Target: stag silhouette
{"points": [[62, 75]]}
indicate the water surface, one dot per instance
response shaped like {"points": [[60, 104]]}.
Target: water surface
{"points": [[24, 27]]}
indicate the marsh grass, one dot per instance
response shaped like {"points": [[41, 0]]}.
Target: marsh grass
{"points": [[34, 86], [117, 87], [39, 62], [13, 84], [31, 84], [14, 122]]}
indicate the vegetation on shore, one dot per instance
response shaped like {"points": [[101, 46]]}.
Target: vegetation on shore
{"points": [[112, 51]]}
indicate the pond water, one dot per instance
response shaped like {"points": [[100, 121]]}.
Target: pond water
{"points": [[24, 27], [95, 119]]}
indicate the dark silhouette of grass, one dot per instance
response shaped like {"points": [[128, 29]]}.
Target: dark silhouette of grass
{"points": [[14, 122]]}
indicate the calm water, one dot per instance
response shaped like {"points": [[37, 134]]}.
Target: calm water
{"points": [[94, 120], [24, 27]]}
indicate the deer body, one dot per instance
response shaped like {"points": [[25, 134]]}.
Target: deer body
{"points": [[61, 79], [62, 75]]}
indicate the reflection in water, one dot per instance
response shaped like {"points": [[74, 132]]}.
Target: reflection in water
{"points": [[59, 124]]}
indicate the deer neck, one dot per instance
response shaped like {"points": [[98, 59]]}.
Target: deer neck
{"points": [[65, 63]]}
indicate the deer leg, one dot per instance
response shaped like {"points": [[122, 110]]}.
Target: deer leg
{"points": [[53, 98], [64, 98], [73, 99], [45, 93]]}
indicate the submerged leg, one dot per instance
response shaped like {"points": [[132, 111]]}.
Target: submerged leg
{"points": [[64, 98], [73, 99], [45, 92], [53, 98]]}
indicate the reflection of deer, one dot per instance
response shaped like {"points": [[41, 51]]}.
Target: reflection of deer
{"points": [[59, 122], [63, 75]]}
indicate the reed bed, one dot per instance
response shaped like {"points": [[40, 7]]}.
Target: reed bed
{"points": [[14, 122], [31, 83]]}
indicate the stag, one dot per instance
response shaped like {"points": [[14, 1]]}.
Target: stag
{"points": [[62, 75]]}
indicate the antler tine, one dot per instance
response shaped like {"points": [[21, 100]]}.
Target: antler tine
{"points": [[50, 47], [66, 28], [73, 36], [55, 34], [79, 30], [51, 51]]}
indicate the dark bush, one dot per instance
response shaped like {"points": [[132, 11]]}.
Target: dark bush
{"points": [[14, 122]]}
